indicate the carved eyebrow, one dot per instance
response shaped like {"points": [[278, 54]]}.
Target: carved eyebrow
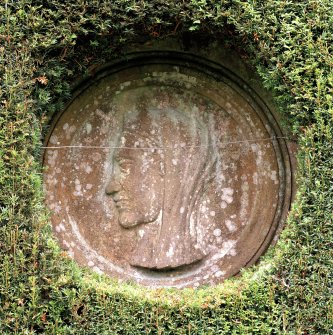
{"points": [[122, 161], [121, 158]]}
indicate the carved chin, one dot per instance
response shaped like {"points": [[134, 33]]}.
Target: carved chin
{"points": [[128, 219]]}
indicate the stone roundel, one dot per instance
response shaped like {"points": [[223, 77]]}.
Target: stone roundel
{"points": [[166, 169]]}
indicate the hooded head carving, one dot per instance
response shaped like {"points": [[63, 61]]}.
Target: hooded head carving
{"points": [[159, 175]]}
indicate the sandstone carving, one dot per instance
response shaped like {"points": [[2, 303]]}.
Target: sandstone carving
{"points": [[161, 174]]}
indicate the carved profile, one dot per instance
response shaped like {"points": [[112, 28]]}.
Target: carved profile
{"points": [[159, 176]]}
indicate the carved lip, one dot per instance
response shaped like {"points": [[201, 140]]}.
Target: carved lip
{"points": [[120, 200], [121, 203]]}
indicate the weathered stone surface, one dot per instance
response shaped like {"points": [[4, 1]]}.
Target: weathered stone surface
{"points": [[166, 172]]}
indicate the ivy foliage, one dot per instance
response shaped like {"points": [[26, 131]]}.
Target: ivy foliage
{"points": [[44, 47]]}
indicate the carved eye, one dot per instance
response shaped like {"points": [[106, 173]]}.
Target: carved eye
{"points": [[125, 164]]}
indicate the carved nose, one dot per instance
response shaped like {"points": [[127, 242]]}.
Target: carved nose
{"points": [[112, 187]]}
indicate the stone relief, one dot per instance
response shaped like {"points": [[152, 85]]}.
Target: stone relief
{"points": [[159, 179], [162, 175]]}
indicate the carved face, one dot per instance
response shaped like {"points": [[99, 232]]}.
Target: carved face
{"points": [[136, 185]]}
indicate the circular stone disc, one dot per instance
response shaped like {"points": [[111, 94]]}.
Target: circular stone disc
{"points": [[166, 171]]}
